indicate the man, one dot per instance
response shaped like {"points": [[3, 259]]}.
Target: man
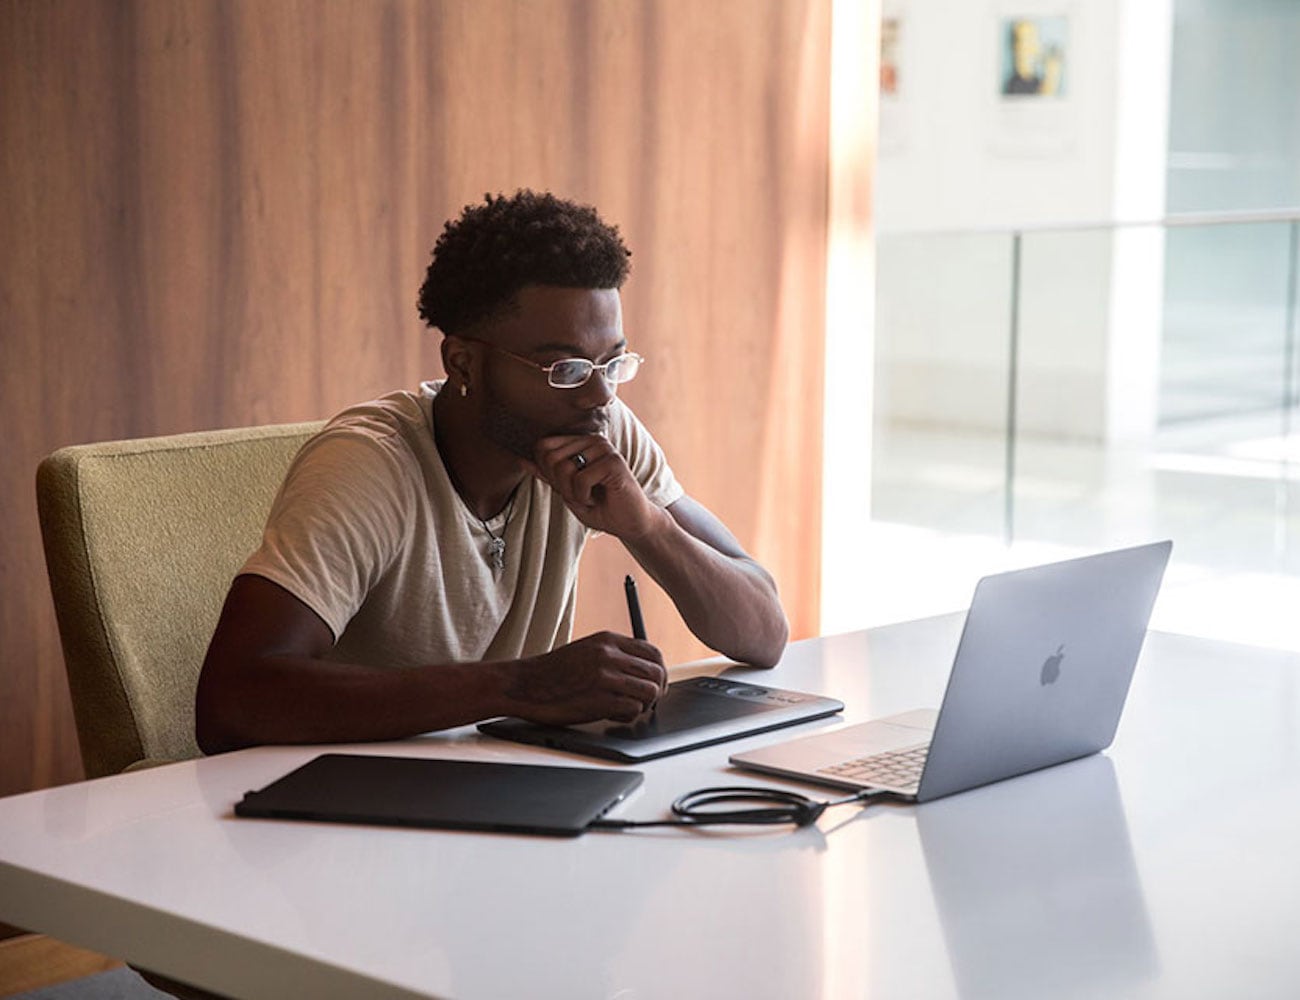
{"points": [[1026, 53], [419, 565]]}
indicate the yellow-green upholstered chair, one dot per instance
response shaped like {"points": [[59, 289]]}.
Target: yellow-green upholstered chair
{"points": [[142, 539]]}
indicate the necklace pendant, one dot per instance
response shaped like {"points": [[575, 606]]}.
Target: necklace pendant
{"points": [[498, 553]]}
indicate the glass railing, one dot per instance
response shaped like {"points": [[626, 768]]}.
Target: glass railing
{"points": [[1051, 390]]}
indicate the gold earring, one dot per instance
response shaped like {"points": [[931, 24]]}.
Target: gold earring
{"points": [[464, 390]]}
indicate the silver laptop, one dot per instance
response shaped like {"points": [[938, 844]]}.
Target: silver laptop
{"points": [[1040, 677]]}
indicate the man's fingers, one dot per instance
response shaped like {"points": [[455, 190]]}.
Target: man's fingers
{"points": [[574, 465], [625, 710], [642, 649], [645, 692], [651, 670], [553, 451]]}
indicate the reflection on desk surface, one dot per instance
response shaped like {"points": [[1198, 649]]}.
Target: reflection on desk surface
{"points": [[1035, 884]]}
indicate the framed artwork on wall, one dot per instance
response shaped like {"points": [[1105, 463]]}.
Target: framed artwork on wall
{"points": [[889, 32], [896, 80], [1035, 57], [1032, 85]]}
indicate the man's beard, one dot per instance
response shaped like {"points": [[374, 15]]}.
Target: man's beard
{"points": [[510, 431], [519, 435]]}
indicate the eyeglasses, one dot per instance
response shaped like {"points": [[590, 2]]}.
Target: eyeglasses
{"points": [[573, 373]]}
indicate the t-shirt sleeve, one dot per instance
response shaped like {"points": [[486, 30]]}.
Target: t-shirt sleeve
{"points": [[337, 524], [644, 457]]}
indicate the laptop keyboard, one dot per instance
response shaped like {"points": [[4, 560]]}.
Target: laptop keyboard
{"points": [[897, 769]]}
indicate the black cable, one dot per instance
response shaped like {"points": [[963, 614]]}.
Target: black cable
{"points": [[776, 806]]}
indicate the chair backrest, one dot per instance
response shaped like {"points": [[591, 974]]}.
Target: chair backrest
{"points": [[142, 539]]}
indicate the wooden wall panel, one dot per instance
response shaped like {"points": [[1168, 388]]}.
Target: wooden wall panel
{"points": [[218, 212]]}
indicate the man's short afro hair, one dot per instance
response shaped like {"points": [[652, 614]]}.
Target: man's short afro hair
{"points": [[483, 259]]}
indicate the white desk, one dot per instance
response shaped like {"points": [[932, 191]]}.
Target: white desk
{"points": [[1168, 867]]}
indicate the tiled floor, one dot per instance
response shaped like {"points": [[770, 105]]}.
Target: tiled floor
{"points": [[1226, 492]]}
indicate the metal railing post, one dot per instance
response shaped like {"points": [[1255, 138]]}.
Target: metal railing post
{"points": [[1283, 494], [1013, 378]]}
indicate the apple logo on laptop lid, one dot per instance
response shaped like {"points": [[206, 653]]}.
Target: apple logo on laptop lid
{"points": [[1052, 667]]}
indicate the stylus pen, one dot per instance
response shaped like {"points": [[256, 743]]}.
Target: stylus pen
{"points": [[634, 608], [638, 632]]}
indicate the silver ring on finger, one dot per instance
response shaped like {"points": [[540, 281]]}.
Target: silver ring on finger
{"points": [[580, 460]]}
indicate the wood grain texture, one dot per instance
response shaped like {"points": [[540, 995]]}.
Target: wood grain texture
{"points": [[219, 213], [33, 961]]}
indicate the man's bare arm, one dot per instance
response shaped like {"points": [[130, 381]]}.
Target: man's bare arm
{"points": [[265, 681], [726, 598]]}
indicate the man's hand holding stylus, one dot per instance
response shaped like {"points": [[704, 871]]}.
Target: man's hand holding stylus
{"points": [[601, 676]]}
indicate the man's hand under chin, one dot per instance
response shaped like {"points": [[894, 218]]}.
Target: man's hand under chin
{"points": [[596, 484]]}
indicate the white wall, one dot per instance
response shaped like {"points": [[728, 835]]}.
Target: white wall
{"points": [[957, 156]]}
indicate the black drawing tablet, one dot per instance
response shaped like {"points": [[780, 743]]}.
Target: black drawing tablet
{"points": [[451, 794], [692, 713]]}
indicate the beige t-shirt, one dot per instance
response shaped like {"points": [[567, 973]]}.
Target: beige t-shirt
{"points": [[368, 532]]}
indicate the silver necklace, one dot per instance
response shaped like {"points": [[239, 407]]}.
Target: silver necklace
{"points": [[496, 547], [496, 550]]}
